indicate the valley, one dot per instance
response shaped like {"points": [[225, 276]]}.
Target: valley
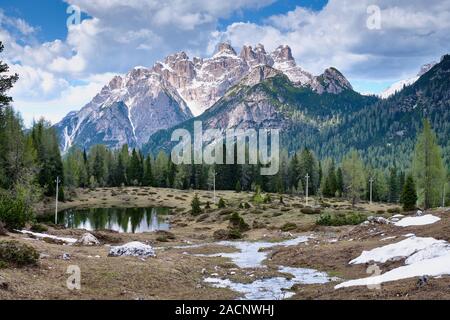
{"points": [[284, 250]]}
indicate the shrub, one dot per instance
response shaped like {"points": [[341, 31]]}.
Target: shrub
{"points": [[289, 226], [208, 205], [2, 229], [14, 212], [195, 206], [221, 204], [37, 227], [394, 210], [234, 234], [238, 223], [258, 198], [341, 219], [267, 199], [310, 211], [244, 205], [17, 254]]}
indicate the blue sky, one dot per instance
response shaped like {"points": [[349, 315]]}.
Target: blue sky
{"points": [[61, 69]]}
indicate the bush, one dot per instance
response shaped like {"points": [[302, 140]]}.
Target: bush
{"points": [[258, 198], [221, 204], [394, 210], [244, 205], [234, 234], [341, 219], [17, 254], [14, 212], [310, 211], [289, 226], [238, 223], [267, 199], [37, 227]]}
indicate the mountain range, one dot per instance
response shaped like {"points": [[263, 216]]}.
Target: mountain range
{"points": [[256, 89], [133, 107]]}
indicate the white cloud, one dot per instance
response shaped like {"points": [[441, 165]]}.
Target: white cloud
{"points": [[412, 33], [55, 75]]}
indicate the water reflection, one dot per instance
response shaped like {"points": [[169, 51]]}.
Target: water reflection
{"points": [[134, 220]]}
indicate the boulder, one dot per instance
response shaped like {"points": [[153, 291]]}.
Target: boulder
{"points": [[87, 239], [133, 249], [379, 220]]}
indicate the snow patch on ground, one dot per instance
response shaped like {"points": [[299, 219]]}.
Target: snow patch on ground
{"points": [[48, 236], [417, 221], [425, 256], [397, 251]]}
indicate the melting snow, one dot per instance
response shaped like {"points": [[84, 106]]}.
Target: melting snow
{"points": [[49, 236], [425, 256], [398, 250], [417, 221], [272, 288], [250, 254]]}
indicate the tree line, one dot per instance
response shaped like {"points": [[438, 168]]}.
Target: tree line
{"points": [[352, 178]]}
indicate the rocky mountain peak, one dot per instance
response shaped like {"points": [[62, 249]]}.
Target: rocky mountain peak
{"points": [[425, 68], [247, 53], [259, 74], [225, 48], [260, 48], [331, 81], [282, 54]]}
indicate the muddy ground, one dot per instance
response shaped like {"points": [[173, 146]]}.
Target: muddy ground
{"points": [[176, 273]]}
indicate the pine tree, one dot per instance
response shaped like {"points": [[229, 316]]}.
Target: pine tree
{"points": [[135, 169], [393, 186], [428, 168], [353, 176], [6, 82], [409, 194], [238, 188], [195, 206], [339, 182], [148, 174]]}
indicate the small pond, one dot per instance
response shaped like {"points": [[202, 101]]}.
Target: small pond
{"points": [[130, 220]]}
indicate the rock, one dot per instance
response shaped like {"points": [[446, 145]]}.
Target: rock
{"points": [[44, 256], [419, 213], [88, 239], [379, 220], [133, 249], [66, 256], [422, 281]]}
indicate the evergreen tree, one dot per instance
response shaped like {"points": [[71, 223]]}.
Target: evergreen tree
{"points": [[339, 182], [135, 169], [6, 82], [393, 186], [148, 174], [353, 176], [409, 194], [238, 187], [195, 206], [428, 168]]}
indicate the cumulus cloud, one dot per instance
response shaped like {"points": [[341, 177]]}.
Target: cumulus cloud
{"points": [[118, 35], [411, 32]]}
